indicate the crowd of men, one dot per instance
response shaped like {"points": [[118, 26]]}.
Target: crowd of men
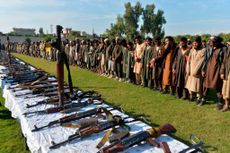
{"points": [[187, 69]]}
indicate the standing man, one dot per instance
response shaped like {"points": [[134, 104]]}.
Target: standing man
{"points": [[117, 58], [225, 75], [211, 70], [147, 70], [167, 58], [179, 69], [156, 66], [193, 69], [138, 53]]}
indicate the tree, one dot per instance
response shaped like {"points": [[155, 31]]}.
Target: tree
{"points": [[41, 32], [153, 23], [131, 19], [116, 29]]}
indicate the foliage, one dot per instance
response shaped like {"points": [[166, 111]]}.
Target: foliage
{"points": [[28, 40], [225, 37], [41, 32], [210, 125], [153, 23], [128, 24]]}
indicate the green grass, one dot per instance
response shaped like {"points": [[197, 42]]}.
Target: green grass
{"points": [[10, 137], [208, 124]]}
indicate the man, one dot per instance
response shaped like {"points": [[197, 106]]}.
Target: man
{"points": [[109, 52], [138, 53], [225, 75], [117, 59], [179, 69], [211, 69], [130, 76], [156, 66], [124, 58], [146, 58], [167, 58], [193, 69]]}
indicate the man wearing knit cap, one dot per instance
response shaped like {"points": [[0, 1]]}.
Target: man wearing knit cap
{"points": [[193, 68], [211, 70]]}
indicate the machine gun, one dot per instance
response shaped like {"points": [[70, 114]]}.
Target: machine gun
{"points": [[139, 137]]}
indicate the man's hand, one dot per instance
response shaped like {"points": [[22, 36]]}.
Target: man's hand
{"points": [[203, 74], [222, 76]]}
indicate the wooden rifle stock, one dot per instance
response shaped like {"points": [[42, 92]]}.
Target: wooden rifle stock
{"points": [[60, 66]]}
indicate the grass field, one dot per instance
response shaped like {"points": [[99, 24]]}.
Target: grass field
{"points": [[10, 138], [208, 124]]}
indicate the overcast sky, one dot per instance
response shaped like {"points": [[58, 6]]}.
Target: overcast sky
{"points": [[183, 16]]}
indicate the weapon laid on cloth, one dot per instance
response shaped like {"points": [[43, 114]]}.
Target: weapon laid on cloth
{"points": [[42, 84], [67, 108], [78, 97], [75, 117], [61, 59], [139, 137], [197, 145], [88, 131]]}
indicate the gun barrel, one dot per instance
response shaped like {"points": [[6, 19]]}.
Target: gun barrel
{"points": [[71, 138]]}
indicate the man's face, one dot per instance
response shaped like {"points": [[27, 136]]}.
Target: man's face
{"points": [[214, 44], [228, 43], [148, 42], [183, 44], [138, 41], [195, 45], [166, 41]]}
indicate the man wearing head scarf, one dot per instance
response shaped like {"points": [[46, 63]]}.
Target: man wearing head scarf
{"points": [[193, 69], [211, 69]]}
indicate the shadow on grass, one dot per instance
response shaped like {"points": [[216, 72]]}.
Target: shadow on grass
{"points": [[5, 115]]}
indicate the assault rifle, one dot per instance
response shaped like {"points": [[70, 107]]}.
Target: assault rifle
{"points": [[81, 94], [90, 130], [74, 117], [139, 137], [55, 100], [68, 107]]}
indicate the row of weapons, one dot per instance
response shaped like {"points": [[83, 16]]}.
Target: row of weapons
{"points": [[117, 133]]}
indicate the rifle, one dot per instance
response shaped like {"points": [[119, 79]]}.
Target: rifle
{"points": [[74, 117], [55, 100], [139, 137], [88, 131], [67, 107], [82, 94], [61, 59]]}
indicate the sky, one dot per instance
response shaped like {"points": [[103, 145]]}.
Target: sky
{"points": [[182, 16]]}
